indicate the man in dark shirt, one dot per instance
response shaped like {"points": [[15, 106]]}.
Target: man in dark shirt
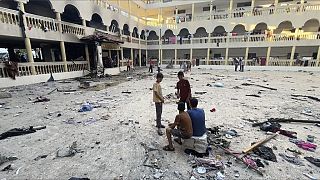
{"points": [[183, 89], [197, 118]]}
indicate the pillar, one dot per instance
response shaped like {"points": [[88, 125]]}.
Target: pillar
{"points": [[161, 55], [227, 57], [63, 56], [140, 58], [293, 50], [131, 56], [276, 2], [268, 56], [211, 7], [231, 5], [246, 56], [192, 12], [110, 53], [208, 56], [118, 59], [253, 4], [58, 18], [318, 58], [84, 22], [27, 42], [302, 2], [122, 56], [175, 56], [86, 50]]}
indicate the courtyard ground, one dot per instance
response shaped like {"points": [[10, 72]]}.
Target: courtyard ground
{"points": [[117, 139]]}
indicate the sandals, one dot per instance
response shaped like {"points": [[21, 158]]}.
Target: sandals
{"points": [[168, 148]]}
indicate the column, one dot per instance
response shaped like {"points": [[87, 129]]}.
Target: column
{"points": [[231, 5], [86, 50], [253, 4], [191, 54], [318, 58], [293, 50], [192, 12], [211, 7], [276, 2], [118, 58], [227, 57], [161, 55], [132, 57], [208, 56], [62, 46], [110, 53], [268, 56], [140, 58], [175, 56], [27, 42], [246, 56], [122, 56], [147, 56]]}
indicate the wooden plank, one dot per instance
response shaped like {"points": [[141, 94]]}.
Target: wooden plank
{"points": [[259, 143]]}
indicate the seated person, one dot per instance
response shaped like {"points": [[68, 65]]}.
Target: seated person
{"points": [[184, 127], [197, 118]]}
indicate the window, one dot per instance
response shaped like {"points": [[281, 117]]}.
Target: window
{"points": [[206, 8], [181, 11], [244, 4]]}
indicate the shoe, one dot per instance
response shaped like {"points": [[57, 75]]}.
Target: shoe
{"points": [[161, 126]]}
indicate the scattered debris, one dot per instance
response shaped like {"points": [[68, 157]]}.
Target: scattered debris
{"points": [[249, 84], [200, 92], [304, 145], [86, 107], [292, 159], [219, 84], [40, 157], [126, 92], [4, 95], [310, 97], [20, 131], [314, 161], [265, 153], [254, 95], [310, 176], [4, 159], [70, 151], [41, 99], [256, 145], [8, 168]]}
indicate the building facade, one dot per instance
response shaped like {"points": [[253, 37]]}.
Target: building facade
{"points": [[44, 36]]}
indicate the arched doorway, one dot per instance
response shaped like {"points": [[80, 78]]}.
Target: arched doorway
{"points": [[184, 33], [311, 25], [260, 28], [71, 14], [200, 32], [143, 35], [125, 30], [114, 26], [135, 32], [96, 22], [41, 8], [284, 26], [239, 29], [153, 36], [219, 31]]}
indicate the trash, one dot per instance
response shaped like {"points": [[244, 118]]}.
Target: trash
{"points": [[20, 131], [89, 121], [218, 84], [4, 95], [291, 159], [236, 174], [86, 107], [304, 145], [158, 175], [84, 85], [228, 136], [294, 151], [219, 176], [126, 92], [213, 110], [310, 138], [200, 92], [248, 84], [275, 127], [283, 120], [17, 172], [232, 132], [201, 170], [8, 168], [314, 161], [309, 176], [265, 153], [77, 178], [310, 97], [40, 157], [4, 159], [254, 95], [70, 151], [41, 99]]}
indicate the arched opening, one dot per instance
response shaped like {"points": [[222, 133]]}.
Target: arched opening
{"points": [[260, 28], [184, 33], [71, 14], [219, 31], [9, 4], [311, 25], [153, 36], [114, 26], [168, 33], [201, 32], [284, 26], [143, 35], [96, 22], [239, 30], [41, 8], [135, 32], [125, 30]]}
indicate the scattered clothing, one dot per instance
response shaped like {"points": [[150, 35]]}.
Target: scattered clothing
{"points": [[41, 99], [18, 132], [312, 160], [275, 127], [86, 107], [291, 159], [195, 153], [304, 144], [265, 153]]}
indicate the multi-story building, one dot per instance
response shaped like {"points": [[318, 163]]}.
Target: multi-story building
{"points": [[59, 36]]}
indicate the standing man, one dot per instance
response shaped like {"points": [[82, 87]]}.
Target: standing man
{"points": [[241, 63], [151, 66], [183, 89], [158, 100], [236, 63]]}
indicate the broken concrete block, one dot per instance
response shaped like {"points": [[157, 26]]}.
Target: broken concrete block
{"points": [[4, 95], [198, 144]]}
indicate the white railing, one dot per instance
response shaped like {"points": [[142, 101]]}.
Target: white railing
{"points": [[279, 62], [40, 22], [9, 16], [77, 66], [153, 42], [72, 28], [135, 40]]}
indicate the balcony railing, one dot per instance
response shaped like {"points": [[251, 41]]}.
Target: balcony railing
{"points": [[39, 22], [72, 28], [8, 16]]}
